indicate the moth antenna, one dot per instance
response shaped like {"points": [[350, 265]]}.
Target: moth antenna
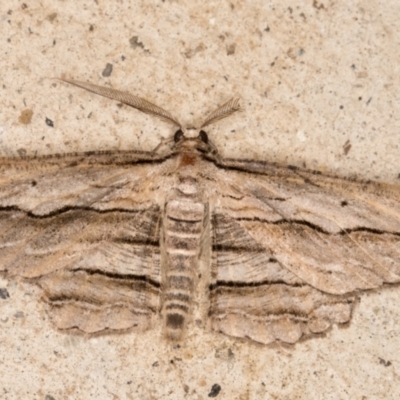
{"points": [[227, 109], [126, 98]]}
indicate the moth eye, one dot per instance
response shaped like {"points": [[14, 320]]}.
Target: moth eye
{"points": [[203, 136], [178, 135]]}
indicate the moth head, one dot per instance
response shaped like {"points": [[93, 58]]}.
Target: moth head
{"points": [[194, 140], [179, 134], [198, 141]]}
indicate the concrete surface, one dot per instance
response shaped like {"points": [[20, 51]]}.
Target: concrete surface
{"points": [[320, 87]]}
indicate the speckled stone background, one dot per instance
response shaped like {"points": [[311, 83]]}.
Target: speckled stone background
{"points": [[320, 85]]}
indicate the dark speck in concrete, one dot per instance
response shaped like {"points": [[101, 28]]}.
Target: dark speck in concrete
{"points": [[4, 293], [214, 390], [134, 41], [107, 70], [386, 363], [19, 314], [49, 122]]}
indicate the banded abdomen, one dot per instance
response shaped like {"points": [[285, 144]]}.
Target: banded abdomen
{"points": [[182, 232]]}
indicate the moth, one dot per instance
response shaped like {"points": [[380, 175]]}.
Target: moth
{"points": [[125, 240]]}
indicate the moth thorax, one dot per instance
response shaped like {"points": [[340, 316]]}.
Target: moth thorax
{"points": [[188, 185], [182, 231]]}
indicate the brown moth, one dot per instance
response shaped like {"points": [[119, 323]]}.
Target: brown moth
{"points": [[119, 240]]}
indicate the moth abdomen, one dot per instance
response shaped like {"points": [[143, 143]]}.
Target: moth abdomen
{"points": [[182, 236], [179, 289]]}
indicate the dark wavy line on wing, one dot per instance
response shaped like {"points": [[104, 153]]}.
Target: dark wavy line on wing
{"points": [[122, 277], [266, 282], [155, 159], [128, 240], [241, 284], [239, 249], [258, 167], [66, 209], [318, 228]]}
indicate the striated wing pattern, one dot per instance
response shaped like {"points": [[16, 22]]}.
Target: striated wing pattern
{"points": [[256, 250], [291, 249], [88, 235]]}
